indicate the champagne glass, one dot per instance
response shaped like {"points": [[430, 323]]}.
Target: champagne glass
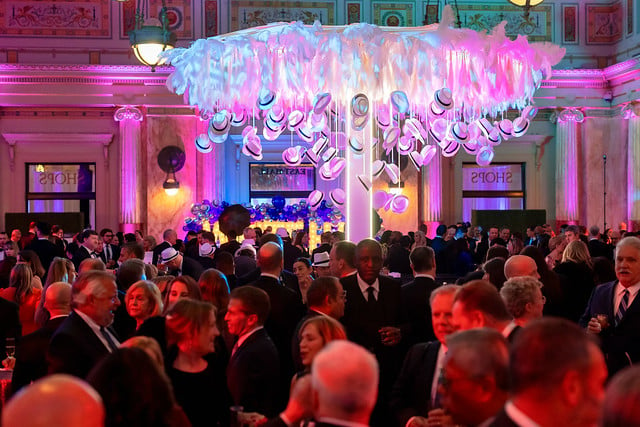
{"points": [[10, 345]]}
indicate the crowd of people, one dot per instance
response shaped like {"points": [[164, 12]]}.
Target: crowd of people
{"points": [[469, 328]]}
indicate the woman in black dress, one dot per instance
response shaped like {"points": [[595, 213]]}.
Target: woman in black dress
{"points": [[196, 372]]}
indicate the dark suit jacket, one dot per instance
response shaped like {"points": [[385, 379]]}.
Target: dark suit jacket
{"points": [[74, 348], [115, 252], [620, 343], [503, 420], [362, 326], [599, 248], [190, 267], [46, 250], [325, 247], [158, 250], [253, 375], [415, 301], [31, 355], [81, 254], [286, 312], [411, 393], [9, 323]]}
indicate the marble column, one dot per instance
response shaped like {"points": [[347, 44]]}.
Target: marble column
{"points": [[567, 165], [431, 188], [130, 119], [210, 166], [631, 112]]}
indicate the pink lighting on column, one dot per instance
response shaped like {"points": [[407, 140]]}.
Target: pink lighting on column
{"points": [[432, 195], [567, 164], [129, 119]]}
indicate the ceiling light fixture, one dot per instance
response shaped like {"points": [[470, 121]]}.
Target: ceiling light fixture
{"points": [[526, 4], [151, 36]]}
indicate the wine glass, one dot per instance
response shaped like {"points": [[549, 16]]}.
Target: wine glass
{"points": [[10, 345]]}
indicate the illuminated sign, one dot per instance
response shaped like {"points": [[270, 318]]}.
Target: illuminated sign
{"points": [[507, 177], [278, 178]]}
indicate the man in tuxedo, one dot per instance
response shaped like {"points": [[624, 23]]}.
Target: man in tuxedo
{"points": [[170, 237], [110, 252], [415, 392], [180, 265], [325, 244], [58, 400], [253, 372], [344, 379], [532, 239], [87, 248], [439, 245], [41, 245], [286, 307], [342, 259], [31, 361], [551, 387], [478, 304], [85, 337], [475, 379], [415, 294], [373, 317], [613, 312]]}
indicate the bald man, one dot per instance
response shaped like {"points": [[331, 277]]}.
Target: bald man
{"points": [[31, 360], [521, 265], [58, 400], [286, 307], [344, 378]]}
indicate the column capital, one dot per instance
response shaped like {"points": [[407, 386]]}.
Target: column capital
{"points": [[566, 115], [128, 113], [630, 110]]}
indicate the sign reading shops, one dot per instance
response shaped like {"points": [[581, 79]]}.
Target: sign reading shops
{"points": [[504, 177], [61, 178]]}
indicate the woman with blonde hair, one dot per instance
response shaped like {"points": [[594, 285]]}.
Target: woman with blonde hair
{"points": [[60, 270], [22, 292], [37, 270], [142, 301], [576, 279]]}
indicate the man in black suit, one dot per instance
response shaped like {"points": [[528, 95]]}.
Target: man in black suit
{"points": [[325, 244], [170, 237], [87, 248], [478, 304], [415, 295], [85, 337], [415, 392], [41, 245], [286, 307], [551, 387], [180, 265], [31, 360], [613, 312], [596, 246], [345, 383], [110, 252], [253, 372], [373, 318]]}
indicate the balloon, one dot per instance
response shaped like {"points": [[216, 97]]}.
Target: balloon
{"points": [[278, 202]]}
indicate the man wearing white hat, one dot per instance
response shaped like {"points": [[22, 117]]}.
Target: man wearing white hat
{"points": [[321, 264], [179, 265], [205, 258]]}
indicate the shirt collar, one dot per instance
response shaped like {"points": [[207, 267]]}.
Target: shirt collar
{"points": [[273, 276], [633, 289], [519, 417], [509, 328], [242, 338], [338, 422], [364, 285], [424, 275], [94, 327]]}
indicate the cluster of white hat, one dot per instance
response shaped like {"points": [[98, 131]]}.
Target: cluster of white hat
{"points": [[398, 203], [337, 196]]}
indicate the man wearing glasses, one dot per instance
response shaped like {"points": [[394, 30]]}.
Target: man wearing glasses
{"points": [[111, 252]]}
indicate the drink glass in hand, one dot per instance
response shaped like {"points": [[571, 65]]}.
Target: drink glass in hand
{"points": [[10, 345], [603, 319]]}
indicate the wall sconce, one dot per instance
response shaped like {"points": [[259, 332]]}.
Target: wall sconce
{"points": [[171, 160], [151, 36], [526, 4]]}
